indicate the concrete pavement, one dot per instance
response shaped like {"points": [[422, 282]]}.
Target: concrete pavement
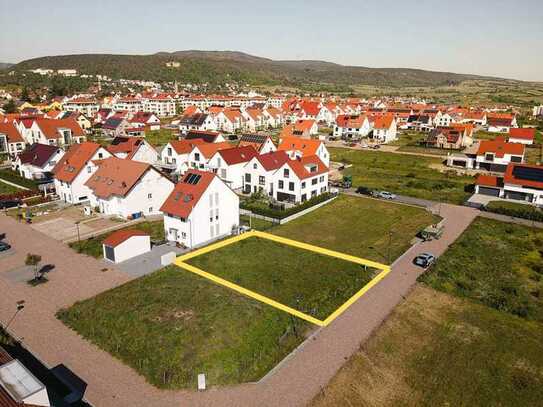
{"points": [[111, 383]]}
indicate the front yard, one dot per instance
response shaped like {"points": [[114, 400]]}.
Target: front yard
{"points": [[360, 226], [312, 283], [403, 174], [172, 325], [93, 246]]}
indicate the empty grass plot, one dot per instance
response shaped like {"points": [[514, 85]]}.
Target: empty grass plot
{"points": [[309, 282]]}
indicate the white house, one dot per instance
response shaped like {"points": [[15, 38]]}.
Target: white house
{"points": [[197, 121], [442, 119], [37, 161], [201, 154], [500, 122], [296, 148], [161, 105], [87, 106], [300, 179], [384, 129], [11, 141], [229, 164], [134, 148], [523, 135], [200, 209], [127, 188], [122, 245], [495, 155], [260, 142], [352, 127], [75, 168], [258, 172], [174, 157]]}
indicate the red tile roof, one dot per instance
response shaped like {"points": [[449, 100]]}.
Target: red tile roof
{"points": [[120, 236], [50, 127], [116, 176], [383, 122], [300, 166], [11, 132], [305, 146], [489, 181], [273, 160], [238, 155], [522, 133], [185, 195], [209, 149], [74, 160], [500, 147], [185, 146]]}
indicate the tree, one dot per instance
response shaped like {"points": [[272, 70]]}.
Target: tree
{"points": [[10, 107], [25, 97], [34, 261]]}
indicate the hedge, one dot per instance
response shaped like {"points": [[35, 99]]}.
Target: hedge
{"points": [[281, 214], [20, 195], [519, 211]]}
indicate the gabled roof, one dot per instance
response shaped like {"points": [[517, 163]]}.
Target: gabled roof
{"points": [[120, 236], [112, 123], [237, 155], [273, 160], [11, 133], [51, 127], [300, 166], [207, 136], [38, 154], [209, 149], [489, 181], [128, 145], [116, 176], [196, 119], [74, 160], [383, 122], [500, 147], [185, 146], [305, 146], [522, 133], [187, 193], [524, 175], [350, 121]]}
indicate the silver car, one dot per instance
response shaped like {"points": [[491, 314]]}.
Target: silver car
{"points": [[424, 260], [386, 195]]}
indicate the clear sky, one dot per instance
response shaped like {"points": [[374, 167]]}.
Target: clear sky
{"points": [[491, 37]]}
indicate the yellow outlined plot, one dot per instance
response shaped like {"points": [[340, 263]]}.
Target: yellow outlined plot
{"points": [[180, 261]]}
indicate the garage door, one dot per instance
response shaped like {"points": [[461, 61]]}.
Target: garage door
{"points": [[489, 191], [110, 253]]}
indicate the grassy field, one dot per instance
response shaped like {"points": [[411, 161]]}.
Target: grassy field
{"points": [[492, 205], [360, 226], [439, 350], [533, 155], [171, 325], [14, 177], [8, 189], [497, 264], [306, 281], [160, 137], [255, 223], [93, 246], [403, 174]]}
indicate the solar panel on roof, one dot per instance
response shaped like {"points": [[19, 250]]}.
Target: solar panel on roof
{"points": [[528, 173], [192, 179]]}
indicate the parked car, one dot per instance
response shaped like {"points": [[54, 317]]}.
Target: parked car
{"points": [[386, 195], [11, 203], [424, 260], [4, 247], [363, 191]]}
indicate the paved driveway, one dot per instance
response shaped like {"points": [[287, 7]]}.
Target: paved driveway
{"points": [[111, 383], [148, 262]]}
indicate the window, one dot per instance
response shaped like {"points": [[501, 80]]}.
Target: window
{"points": [[223, 173], [286, 172], [314, 181], [100, 155], [149, 196], [196, 156], [216, 198], [254, 166], [88, 170], [217, 214], [489, 157], [211, 200], [516, 159], [321, 179], [291, 186], [281, 185], [247, 177], [151, 209], [211, 215], [303, 184], [169, 151], [261, 180]]}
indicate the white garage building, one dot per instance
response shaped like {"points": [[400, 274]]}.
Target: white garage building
{"points": [[125, 244]]}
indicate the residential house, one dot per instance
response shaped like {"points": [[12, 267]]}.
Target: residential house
{"points": [[297, 148], [75, 168], [445, 137], [133, 148], [84, 105], [197, 121], [301, 128], [128, 189], [495, 155], [145, 119], [521, 182], [115, 127], [162, 105], [229, 164], [201, 208], [37, 161], [351, 127], [174, 157], [500, 122], [129, 103], [420, 122], [384, 129], [11, 141], [300, 179], [207, 136], [58, 132], [201, 154], [442, 119], [258, 172], [260, 142], [523, 135]]}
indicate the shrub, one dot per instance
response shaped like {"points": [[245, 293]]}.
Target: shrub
{"points": [[516, 210], [284, 213]]}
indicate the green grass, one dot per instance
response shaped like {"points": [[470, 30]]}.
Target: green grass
{"points": [[306, 281], [513, 206], [425, 150], [14, 177], [360, 226], [160, 137], [8, 189], [172, 325], [403, 174], [93, 246], [532, 155], [438, 350], [409, 138], [497, 264], [256, 223]]}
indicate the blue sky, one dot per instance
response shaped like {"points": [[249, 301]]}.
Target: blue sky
{"points": [[500, 38]]}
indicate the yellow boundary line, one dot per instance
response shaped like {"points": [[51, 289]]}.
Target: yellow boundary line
{"points": [[180, 261]]}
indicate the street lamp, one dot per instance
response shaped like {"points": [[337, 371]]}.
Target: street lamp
{"points": [[20, 306], [78, 235], [389, 248]]}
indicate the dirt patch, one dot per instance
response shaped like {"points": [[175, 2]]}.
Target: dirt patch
{"points": [[175, 315]]}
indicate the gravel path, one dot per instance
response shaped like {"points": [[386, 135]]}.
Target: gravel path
{"points": [[111, 383]]}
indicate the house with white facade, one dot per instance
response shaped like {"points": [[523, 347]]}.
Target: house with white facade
{"points": [[260, 142], [298, 148], [384, 129], [57, 132], [129, 103], [197, 121], [84, 105], [300, 179], [75, 168], [11, 141], [37, 161], [201, 154], [523, 135], [128, 189], [495, 155], [174, 157], [229, 164], [258, 172], [500, 122], [162, 105], [201, 208], [351, 127], [134, 148]]}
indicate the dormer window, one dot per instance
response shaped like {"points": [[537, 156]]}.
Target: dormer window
{"points": [[489, 157]]}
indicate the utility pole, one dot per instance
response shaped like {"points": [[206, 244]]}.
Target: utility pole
{"points": [[20, 307]]}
